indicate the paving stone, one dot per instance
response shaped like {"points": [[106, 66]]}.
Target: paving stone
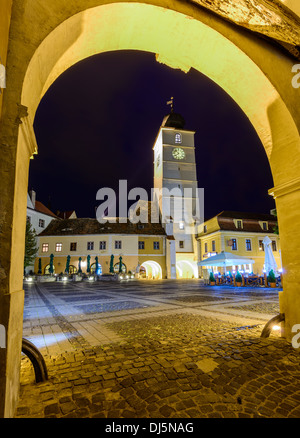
{"points": [[167, 365]]}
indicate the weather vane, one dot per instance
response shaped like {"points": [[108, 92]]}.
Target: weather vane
{"points": [[171, 103]]}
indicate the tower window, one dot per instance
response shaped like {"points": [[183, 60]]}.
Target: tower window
{"points": [[178, 138]]}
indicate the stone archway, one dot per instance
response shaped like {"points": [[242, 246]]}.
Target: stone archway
{"points": [[252, 71], [153, 270], [187, 269]]}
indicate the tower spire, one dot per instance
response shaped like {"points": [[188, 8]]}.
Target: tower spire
{"points": [[171, 103]]}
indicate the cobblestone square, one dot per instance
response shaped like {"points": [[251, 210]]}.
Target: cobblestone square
{"points": [[177, 349]]}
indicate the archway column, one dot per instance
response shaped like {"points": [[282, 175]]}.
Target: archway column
{"points": [[14, 182], [287, 198]]}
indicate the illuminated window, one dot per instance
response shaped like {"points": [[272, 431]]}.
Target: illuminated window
{"points": [[248, 245], [102, 245], [155, 245], [178, 138], [181, 225], [90, 246], [58, 247], [45, 247], [73, 246], [261, 245], [118, 244]]}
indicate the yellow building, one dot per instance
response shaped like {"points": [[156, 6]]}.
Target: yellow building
{"points": [[141, 246], [241, 234]]}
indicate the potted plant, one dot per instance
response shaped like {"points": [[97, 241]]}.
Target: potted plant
{"points": [[212, 279], [272, 278], [238, 279]]}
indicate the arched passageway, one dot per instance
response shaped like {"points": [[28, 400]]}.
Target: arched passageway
{"points": [[152, 270], [186, 269], [182, 36]]}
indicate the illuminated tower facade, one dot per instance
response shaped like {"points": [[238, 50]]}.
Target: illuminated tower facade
{"points": [[175, 170]]}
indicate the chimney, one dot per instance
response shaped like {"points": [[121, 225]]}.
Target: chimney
{"points": [[32, 197]]}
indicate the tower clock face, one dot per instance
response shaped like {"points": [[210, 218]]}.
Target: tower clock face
{"points": [[178, 153]]}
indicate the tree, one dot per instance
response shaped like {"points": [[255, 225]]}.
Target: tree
{"points": [[31, 248]]}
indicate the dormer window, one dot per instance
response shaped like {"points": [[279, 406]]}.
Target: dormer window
{"points": [[178, 138], [265, 226], [239, 224]]}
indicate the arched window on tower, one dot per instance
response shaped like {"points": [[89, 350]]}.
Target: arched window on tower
{"points": [[178, 138]]}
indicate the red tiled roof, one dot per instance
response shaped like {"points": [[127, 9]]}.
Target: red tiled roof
{"points": [[43, 209], [250, 221], [71, 227]]}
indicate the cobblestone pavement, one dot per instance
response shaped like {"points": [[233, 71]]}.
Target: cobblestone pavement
{"points": [[164, 349]]}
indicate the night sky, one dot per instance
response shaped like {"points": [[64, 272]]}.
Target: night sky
{"points": [[98, 122]]}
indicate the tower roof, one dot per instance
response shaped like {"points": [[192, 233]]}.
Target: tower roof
{"points": [[174, 120]]}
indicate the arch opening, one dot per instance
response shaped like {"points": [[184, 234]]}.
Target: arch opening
{"points": [[186, 269], [151, 270], [181, 43]]}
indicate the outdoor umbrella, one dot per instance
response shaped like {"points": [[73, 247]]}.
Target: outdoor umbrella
{"points": [[68, 265], [51, 267], [270, 263], [111, 268], [40, 267], [97, 265], [226, 259], [79, 266]]}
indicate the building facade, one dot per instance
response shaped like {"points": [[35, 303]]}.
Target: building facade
{"points": [[141, 247], [175, 179], [39, 216], [241, 234]]}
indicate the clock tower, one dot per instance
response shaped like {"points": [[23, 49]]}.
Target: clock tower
{"points": [[175, 171]]}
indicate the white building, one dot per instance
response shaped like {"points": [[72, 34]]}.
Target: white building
{"points": [[39, 216]]}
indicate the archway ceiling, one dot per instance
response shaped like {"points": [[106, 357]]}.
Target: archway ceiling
{"points": [[269, 18]]}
